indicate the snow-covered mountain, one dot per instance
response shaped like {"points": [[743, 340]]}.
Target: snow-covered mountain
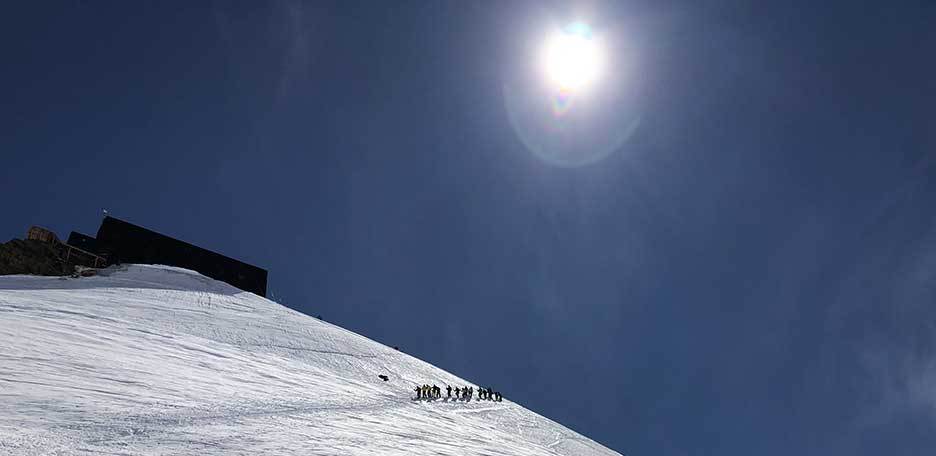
{"points": [[161, 360]]}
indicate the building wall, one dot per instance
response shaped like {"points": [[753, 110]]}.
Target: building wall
{"points": [[82, 241], [123, 242]]}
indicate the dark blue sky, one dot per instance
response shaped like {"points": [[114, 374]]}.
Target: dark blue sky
{"points": [[752, 272]]}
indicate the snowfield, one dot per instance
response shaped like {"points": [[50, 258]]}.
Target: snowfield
{"points": [[161, 360]]}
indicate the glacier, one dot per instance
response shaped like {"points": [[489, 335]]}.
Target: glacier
{"points": [[147, 359]]}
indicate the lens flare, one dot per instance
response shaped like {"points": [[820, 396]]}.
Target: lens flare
{"points": [[568, 119], [562, 102]]}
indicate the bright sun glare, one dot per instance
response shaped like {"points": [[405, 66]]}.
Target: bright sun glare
{"points": [[572, 58]]}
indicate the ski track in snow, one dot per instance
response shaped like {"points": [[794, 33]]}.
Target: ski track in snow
{"points": [[161, 360]]}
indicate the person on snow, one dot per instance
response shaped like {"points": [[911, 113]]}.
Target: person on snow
{"points": [[436, 391], [418, 392], [448, 391], [470, 392]]}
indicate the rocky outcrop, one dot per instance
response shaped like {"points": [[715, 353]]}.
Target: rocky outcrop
{"points": [[30, 257]]}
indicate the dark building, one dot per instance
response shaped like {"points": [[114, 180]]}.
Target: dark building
{"points": [[82, 241], [123, 242]]}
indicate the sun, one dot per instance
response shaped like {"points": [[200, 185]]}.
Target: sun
{"points": [[572, 58]]}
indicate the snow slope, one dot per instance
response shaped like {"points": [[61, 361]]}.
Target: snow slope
{"points": [[160, 360]]}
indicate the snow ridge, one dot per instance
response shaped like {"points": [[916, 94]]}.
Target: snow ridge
{"points": [[162, 360]]}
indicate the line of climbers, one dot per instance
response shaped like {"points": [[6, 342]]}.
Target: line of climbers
{"points": [[426, 392]]}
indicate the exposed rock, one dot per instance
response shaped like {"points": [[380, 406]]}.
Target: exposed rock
{"points": [[29, 257]]}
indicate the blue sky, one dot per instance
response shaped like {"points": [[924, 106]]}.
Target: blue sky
{"points": [[751, 271]]}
